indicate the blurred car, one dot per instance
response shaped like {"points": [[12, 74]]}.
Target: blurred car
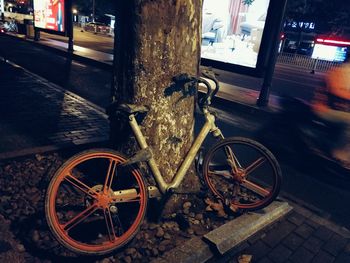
{"points": [[2, 27], [97, 27]]}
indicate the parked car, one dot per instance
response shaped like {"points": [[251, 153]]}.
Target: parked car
{"points": [[97, 27]]}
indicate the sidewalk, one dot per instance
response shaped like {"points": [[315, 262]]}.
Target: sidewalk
{"points": [[37, 116]]}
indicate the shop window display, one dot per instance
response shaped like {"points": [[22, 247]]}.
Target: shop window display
{"points": [[232, 30]]}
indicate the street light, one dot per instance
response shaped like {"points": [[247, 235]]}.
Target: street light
{"points": [[75, 12]]}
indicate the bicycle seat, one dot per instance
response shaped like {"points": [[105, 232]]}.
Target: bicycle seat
{"points": [[132, 108]]}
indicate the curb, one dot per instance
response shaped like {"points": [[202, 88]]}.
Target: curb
{"points": [[200, 250]]}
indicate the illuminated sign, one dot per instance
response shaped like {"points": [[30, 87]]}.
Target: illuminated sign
{"points": [[49, 14], [299, 26], [232, 31], [330, 53]]}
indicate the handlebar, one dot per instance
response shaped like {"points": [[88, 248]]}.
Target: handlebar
{"points": [[206, 101], [187, 80]]}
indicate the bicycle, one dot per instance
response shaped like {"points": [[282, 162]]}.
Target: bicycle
{"points": [[94, 215]]}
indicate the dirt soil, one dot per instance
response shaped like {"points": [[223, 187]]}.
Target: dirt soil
{"points": [[25, 236]]}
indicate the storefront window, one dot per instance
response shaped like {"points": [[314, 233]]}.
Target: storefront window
{"points": [[232, 30]]}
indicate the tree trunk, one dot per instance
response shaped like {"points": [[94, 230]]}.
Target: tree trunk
{"points": [[155, 41]]}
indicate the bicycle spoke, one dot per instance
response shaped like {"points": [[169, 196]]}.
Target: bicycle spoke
{"points": [[81, 186], [225, 174], [109, 224], [255, 188], [109, 176], [79, 218], [232, 159], [254, 165]]}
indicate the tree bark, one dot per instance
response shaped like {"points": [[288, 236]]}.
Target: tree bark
{"points": [[155, 41]]}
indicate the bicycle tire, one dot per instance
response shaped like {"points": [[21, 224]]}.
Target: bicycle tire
{"points": [[248, 192], [97, 228]]}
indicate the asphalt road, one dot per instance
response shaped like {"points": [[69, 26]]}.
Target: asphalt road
{"points": [[86, 39], [94, 84]]}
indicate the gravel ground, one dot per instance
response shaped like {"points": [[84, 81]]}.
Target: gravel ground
{"points": [[25, 236]]}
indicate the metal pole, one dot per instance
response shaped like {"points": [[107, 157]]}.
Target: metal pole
{"points": [[93, 11], [263, 98], [314, 67], [70, 27], [2, 9]]}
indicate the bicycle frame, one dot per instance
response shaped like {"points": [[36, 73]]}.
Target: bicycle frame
{"points": [[208, 127]]}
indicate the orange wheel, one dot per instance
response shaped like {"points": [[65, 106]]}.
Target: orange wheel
{"points": [[95, 205], [242, 173]]}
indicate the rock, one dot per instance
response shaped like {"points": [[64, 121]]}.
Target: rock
{"points": [[105, 260], [21, 248], [38, 157], [127, 259], [160, 232], [130, 251], [167, 236], [186, 205], [192, 214], [165, 243], [186, 211], [199, 216], [161, 248], [190, 231], [199, 231], [155, 252], [196, 222], [35, 236], [152, 226]]}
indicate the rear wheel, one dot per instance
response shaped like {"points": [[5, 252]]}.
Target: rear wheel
{"points": [[95, 205], [242, 173]]}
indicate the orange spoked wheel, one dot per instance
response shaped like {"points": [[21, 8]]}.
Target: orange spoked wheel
{"points": [[242, 173], [95, 205]]}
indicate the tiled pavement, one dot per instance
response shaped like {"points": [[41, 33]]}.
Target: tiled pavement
{"points": [[300, 237], [36, 114]]}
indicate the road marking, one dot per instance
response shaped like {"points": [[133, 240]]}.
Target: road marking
{"points": [[78, 64]]}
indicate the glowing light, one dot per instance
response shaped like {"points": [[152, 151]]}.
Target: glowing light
{"points": [[331, 41]]}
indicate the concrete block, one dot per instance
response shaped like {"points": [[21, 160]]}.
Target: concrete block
{"points": [[233, 233]]}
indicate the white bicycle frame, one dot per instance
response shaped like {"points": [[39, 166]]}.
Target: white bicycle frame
{"points": [[162, 186]]}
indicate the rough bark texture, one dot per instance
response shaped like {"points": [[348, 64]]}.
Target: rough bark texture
{"points": [[155, 41]]}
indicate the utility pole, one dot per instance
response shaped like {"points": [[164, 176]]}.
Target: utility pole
{"points": [[263, 98], [93, 11]]}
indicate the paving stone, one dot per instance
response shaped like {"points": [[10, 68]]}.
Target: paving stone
{"points": [[264, 260], [335, 244], [343, 258], [313, 244], [296, 218], [256, 237], [323, 257], [282, 230], [293, 241], [258, 250], [312, 223], [302, 255], [323, 233], [304, 230], [279, 254]]}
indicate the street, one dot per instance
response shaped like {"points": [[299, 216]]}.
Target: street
{"points": [[94, 84]]}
